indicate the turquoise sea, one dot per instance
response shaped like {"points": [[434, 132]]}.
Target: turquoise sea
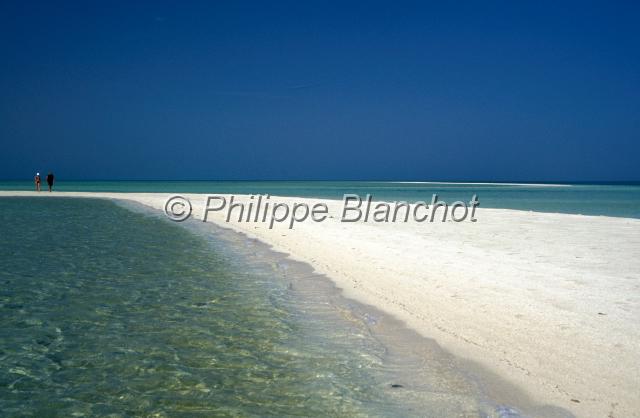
{"points": [[617, 199], [109, 310]]}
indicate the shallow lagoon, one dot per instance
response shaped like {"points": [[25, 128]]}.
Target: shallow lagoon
{"points": [[106, 311]]}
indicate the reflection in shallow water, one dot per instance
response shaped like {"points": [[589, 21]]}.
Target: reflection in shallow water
{"points": [[107, 312]]}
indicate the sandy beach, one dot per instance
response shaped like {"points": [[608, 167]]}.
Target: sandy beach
{"points": [[548, 302]]}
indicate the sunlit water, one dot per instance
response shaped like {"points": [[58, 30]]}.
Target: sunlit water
{"points": [[109, 312], [622, 199]]}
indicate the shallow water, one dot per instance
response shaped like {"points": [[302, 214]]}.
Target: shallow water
{"points": [[620, 199], [109, 312]]}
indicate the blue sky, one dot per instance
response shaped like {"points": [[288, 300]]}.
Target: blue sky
{"points": [[321, 90]]}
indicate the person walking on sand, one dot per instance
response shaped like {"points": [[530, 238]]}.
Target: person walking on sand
{"points": [[50, 179], [36, 179]]}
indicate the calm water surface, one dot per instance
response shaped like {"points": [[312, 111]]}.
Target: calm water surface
{"points": [[622, 200], [109, 312]]}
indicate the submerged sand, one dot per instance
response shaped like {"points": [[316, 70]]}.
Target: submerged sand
{"points": [[549, 302]]}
